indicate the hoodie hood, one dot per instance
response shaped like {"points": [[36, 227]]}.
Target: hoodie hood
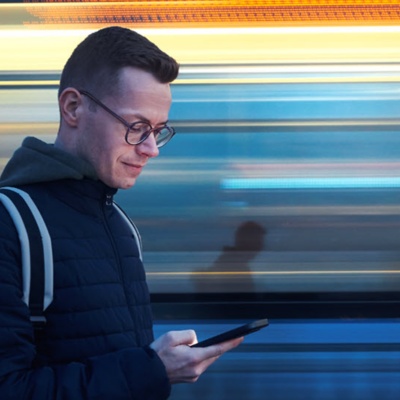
{"points": [[36, 161]]}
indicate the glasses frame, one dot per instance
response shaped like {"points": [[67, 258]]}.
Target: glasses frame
{"points": [[129, 126]]}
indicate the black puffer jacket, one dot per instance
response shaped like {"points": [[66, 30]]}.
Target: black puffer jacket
{"points": [[99, 325]]}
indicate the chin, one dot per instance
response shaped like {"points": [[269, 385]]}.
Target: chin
{"points": [[127, 184]]}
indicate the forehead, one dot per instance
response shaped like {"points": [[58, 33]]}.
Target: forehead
{"points": [[140, 91], [133, 79]]}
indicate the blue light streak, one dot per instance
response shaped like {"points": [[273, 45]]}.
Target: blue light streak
{"points": [[310, 183]]}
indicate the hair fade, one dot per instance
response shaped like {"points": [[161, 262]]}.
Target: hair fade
{"points": [[96, 61]]}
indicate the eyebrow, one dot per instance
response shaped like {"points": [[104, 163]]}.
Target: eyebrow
{"points": [[142, 118]]}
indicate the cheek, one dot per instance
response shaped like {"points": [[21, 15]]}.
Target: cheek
{"points": [[98, 152], [106, 156], [103, 143], [109, 159]]}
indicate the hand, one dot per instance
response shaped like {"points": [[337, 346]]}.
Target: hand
{"points": [[184, 363]]}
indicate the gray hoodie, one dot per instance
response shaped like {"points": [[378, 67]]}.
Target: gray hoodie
{"points": [[36, 161]]}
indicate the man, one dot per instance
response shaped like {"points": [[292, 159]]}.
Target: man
{"points": [[97, 343]]}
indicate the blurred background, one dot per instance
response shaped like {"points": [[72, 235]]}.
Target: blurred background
{"points": [[279, 196]]}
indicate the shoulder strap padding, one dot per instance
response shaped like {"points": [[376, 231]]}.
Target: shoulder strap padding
{"points": [[36, 250]]}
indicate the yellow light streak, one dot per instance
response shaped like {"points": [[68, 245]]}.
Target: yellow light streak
{"points": [[28, 83], [47, 50]]}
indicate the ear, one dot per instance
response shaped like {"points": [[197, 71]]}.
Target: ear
{"points": [[70, 101]]}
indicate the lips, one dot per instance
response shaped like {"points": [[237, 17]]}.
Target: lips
{"points": [[138, 166], [135, 168]]}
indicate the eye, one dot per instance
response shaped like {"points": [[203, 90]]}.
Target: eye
{"points": [[140, 127]]}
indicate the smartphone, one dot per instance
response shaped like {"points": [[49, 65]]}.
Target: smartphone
{"points": [[234, 333]]}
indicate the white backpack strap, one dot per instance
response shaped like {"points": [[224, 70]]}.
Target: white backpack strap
{"points": [[36, 250], [133, 227]]}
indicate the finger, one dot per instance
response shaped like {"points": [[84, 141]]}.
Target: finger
{"points": [[187, 337], [174, 338], [217, 350]]}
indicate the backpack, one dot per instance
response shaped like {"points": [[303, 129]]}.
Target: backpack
{"points": [[36, 251]]}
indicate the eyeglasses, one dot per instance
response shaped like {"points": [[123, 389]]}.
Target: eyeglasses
{"points": [[137, 132]]}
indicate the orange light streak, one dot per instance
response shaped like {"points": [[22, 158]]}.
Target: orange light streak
{"points": [[220, 13]]}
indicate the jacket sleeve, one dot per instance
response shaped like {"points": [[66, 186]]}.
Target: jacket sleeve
{"points": [[133, 373]]}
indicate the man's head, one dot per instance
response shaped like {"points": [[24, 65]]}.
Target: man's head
{"points": [[115, 79], [95, 63]]}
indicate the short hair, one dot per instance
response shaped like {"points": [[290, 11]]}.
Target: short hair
{"points": [[95, 63]]}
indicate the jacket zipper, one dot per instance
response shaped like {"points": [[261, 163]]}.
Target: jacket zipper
{"points": [[109, 203], [109, 199]]}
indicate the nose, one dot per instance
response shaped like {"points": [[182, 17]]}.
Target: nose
{"points": [[149, 147]]}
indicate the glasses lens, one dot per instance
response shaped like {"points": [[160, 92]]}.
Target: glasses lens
{"points": [[138, 132], [164, 135]]}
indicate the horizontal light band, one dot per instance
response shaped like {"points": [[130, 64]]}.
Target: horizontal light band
{"points": [[220, 13], [47, 49], [220, 81], [310, 183], [240, 74], [263, 273]]}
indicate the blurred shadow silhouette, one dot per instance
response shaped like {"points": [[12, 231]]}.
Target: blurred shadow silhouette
{"points": [[231, 270]]}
